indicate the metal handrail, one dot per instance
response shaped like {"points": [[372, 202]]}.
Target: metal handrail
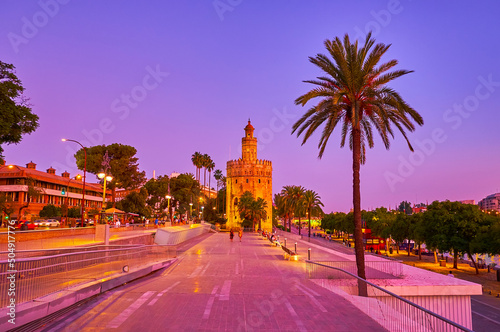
{"points": [[396, 296]]}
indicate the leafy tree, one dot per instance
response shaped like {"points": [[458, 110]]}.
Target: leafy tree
{"points": [[123, 165], [15, 111], [453, 227], [353, 94], [405, 207], [7, 205], [184, 189], [400, 230], [50, 211], [32, 193], [135, 202], [158, 189], [75, 212], [487, 240], [311, 200]]}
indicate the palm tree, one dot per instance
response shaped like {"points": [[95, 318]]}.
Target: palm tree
{"points": [[353, 92], [205, 161], [311, 201], [279, 203], [252, 209], [210, 167], [288, 204], [297, 197], [217, 176], [196, 159]]}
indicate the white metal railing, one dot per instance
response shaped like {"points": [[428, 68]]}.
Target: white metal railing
{"points": [[40, 276], [390, 310]]}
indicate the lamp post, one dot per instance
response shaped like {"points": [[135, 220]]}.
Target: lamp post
{"points": [[190, 210], [84, 174], [106, 178], [168, 197]]}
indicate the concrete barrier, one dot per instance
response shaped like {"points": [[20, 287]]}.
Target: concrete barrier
{"points": [[179, 234]]}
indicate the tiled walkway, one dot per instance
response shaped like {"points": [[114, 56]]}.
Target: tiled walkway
{"points": [[218, 285]]}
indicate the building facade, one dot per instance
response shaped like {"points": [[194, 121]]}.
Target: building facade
{"points": [[54, 189], [248, 174], [490, 202]]}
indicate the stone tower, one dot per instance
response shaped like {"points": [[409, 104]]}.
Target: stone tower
{"points": [[248, 174]]}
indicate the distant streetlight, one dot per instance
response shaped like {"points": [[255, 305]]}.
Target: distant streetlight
{"points": [[84, 174], [168, 197], [190, 210], [106, 178]]}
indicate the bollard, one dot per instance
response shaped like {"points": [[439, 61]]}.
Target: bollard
{"points": [[309, 254], [295, 247], [285, 242]]}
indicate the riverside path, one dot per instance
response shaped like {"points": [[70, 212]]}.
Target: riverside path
{"points": [[219, 285]]}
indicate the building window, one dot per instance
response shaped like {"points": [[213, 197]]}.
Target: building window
{"points": [[259, 180], [236, 181], [247, 180]]}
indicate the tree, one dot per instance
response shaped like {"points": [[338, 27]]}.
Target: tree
{"points": [[354, 94], [32, 193], [7, 205], [123, 165], [218, 176], [185, 189], [405, 207], [50, 211], [298, 202], [135, 202], [311, 200], [252, 209], [210, 168], [196, 158], [158, 189], [15, 111]]}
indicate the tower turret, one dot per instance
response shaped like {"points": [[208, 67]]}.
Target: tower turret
{"points": [[249, 145]]}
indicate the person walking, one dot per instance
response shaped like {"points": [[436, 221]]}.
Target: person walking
{"points": [[231, 235], [240, 233]]}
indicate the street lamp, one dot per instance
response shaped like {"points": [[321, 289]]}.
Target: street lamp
{"points": [[168, 197], [106, 178], [190, 210], [84, 174]]}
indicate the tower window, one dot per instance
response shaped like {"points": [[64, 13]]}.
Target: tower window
{"points": [[259, 180], [236, 181], [247, 180]]}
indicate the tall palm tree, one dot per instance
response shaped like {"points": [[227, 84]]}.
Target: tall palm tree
{"points": [[288, 204], [311, 201], [196, 159], [353, 93], [210, 167], [279, 203], [297, 198], [205, 161], [217, 176]]}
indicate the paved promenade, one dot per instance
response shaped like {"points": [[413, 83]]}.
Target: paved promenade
{"points": [[218, 285]]}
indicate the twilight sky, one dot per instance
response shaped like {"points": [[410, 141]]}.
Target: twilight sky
{"points": [[174, 77]]}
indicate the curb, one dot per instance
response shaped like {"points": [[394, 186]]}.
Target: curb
{"points": [[46, 305]]}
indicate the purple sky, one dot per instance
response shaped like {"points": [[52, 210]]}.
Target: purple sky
{"points": [[248, 59]]}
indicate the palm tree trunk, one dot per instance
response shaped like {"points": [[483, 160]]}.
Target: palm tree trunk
{"points": [[300, 225], [358, 235], [209, 176], [309, 222]]}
